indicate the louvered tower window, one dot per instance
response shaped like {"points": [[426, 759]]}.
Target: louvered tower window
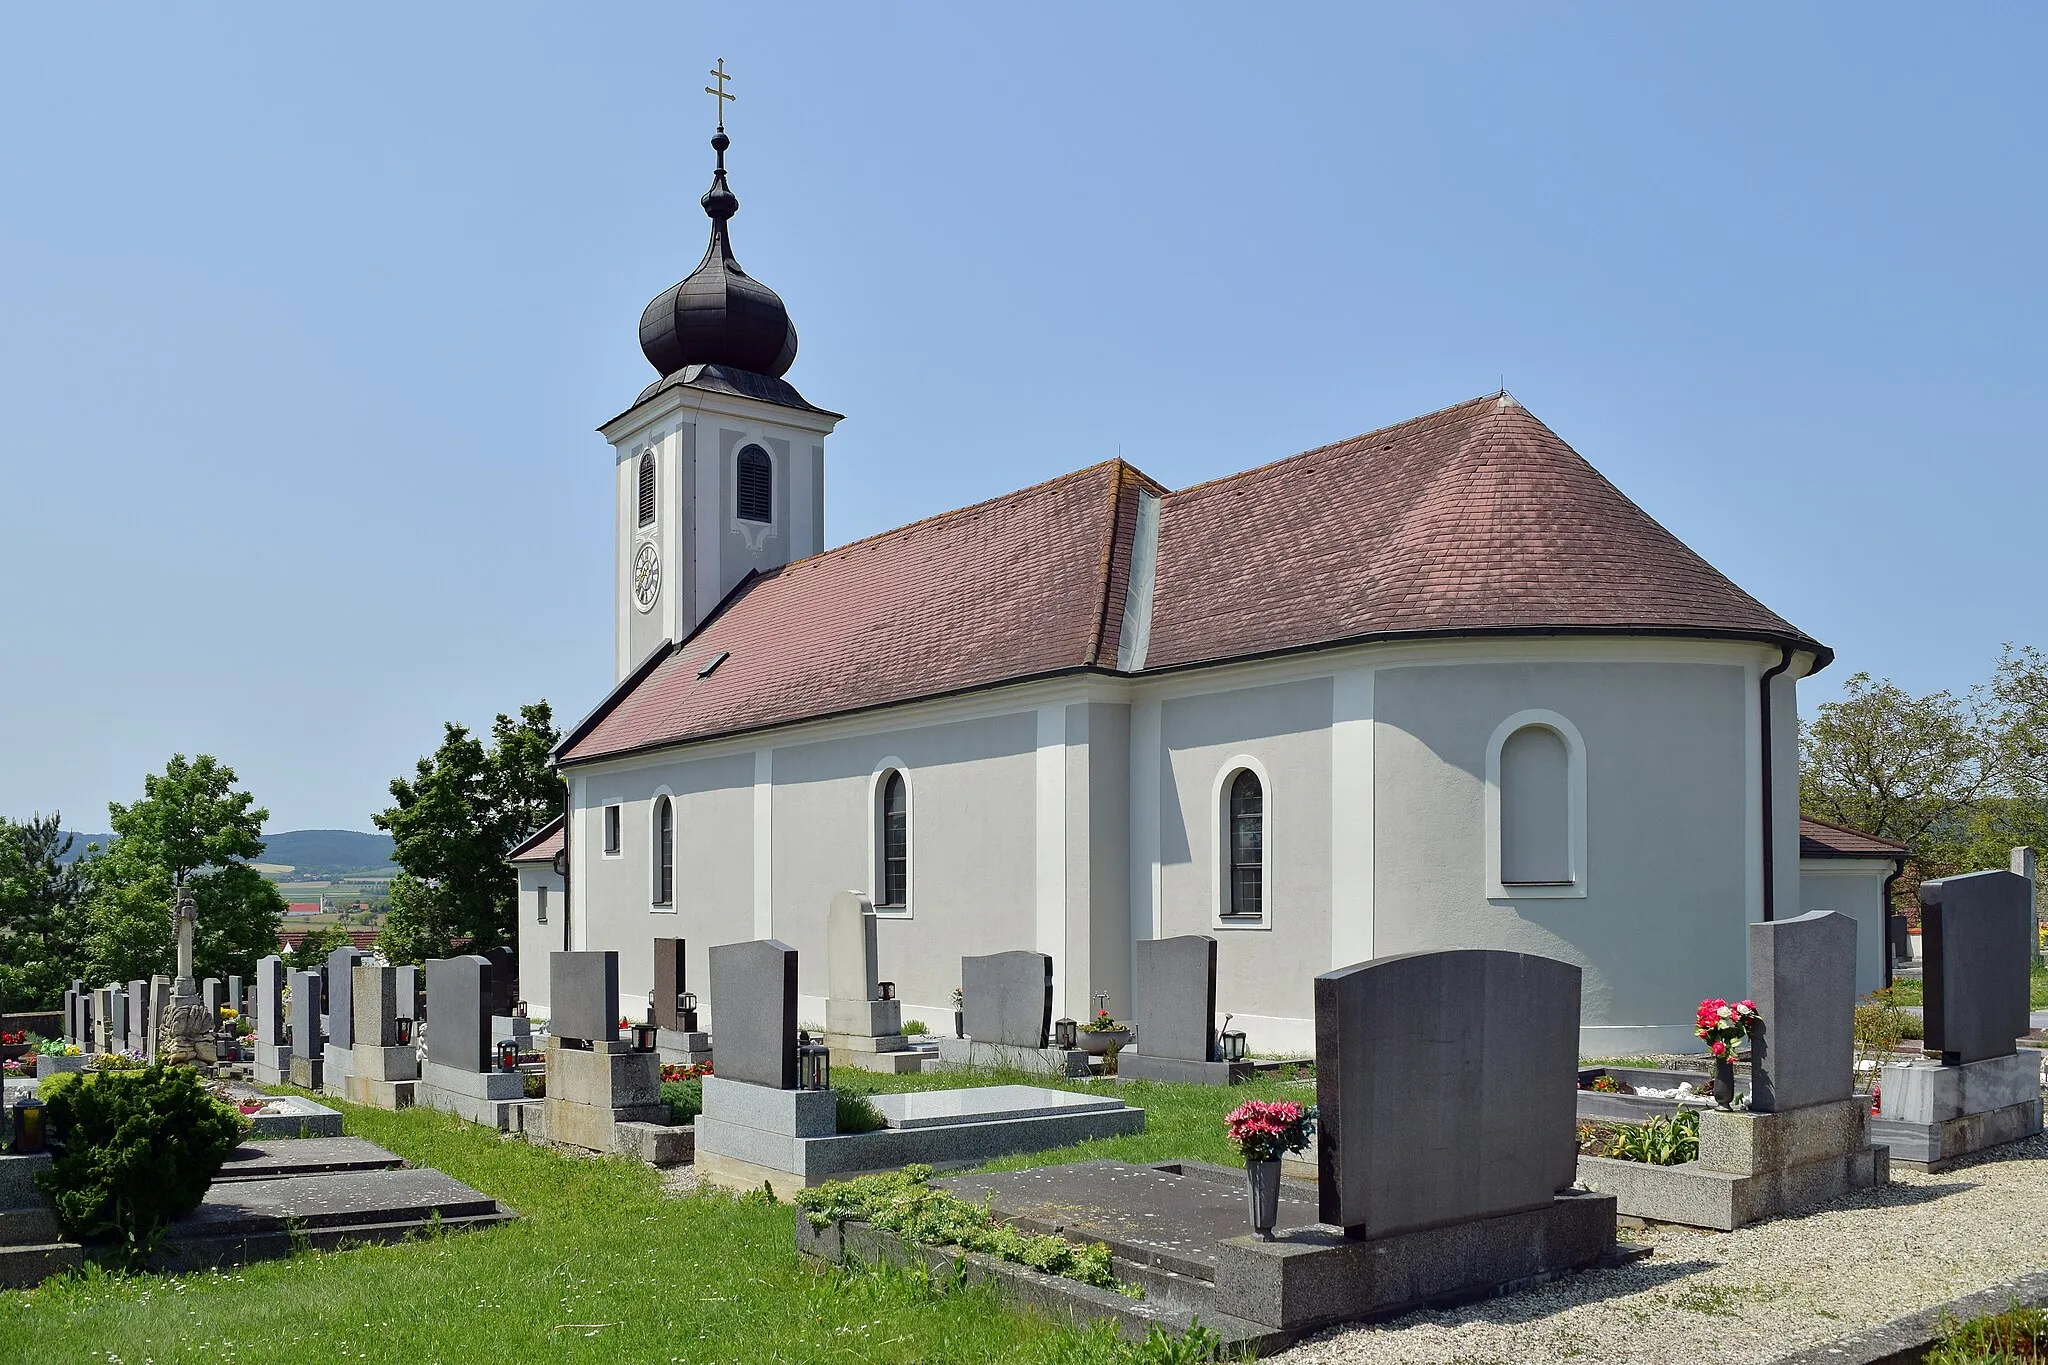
{"points": [[757, 485], [647, 489]]}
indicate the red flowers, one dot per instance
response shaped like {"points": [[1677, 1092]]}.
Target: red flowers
{"points": [[676, 1071], [1722, 1025], [1263, 1129]]}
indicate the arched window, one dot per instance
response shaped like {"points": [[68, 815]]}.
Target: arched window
{"points": [[757, 485], [1245, 828], [892, 871], [664, 851], [647, 489], [1536, 808]]}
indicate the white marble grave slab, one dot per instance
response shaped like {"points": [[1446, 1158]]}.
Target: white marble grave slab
{"points": [[985, 1104]]}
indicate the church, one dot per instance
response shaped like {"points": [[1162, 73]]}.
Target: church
{"points": [[1439, 685]]}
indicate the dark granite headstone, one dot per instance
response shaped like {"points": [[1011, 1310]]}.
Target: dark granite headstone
{"points": [[1446, 1085], [1802, 973], [1898, 938], [583, 993], [373, 1004], [306, 1039], [1977, 934], [340, 1003], [504, 980], [753, 1012], [1007, 998], [270, 1002], [460, 989], [669, 982], [1175, 997]]}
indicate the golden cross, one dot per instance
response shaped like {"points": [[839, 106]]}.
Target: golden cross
{"points": [[721, 77]]}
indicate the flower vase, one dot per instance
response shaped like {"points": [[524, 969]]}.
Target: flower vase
{"points": [[1724, 1083], [1262, 1183], [959, 1023]]}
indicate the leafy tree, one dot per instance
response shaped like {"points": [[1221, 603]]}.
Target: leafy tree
{"points": [[42, 923], [465, 808], [311, 954], [1898, 766], [192, 822]]}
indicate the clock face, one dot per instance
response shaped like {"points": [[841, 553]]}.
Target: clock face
{"points": [[646, 575]]}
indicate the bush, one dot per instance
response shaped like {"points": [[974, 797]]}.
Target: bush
{"points": [[915, 1028], [1659, 1142], [2017, 1334], [138, 1151], [856, 1112], [685, 1100]]}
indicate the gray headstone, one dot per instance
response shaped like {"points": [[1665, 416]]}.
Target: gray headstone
{"points": [[583, 993], [670, 981], [236, 998], [1446, 1085], [412, 993], [138, 1016], [270, 1002], [341, 1030], [460, 991], [159, 1006], [1174, 994], [504, 980], [1977, 934], [1007, 998], [209, 995], [1802, 974], [305, 1009], [374, 1005], [850, 952], [753, 1012]]}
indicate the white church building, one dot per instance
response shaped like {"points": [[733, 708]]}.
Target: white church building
{"points": [[1439, 685]]}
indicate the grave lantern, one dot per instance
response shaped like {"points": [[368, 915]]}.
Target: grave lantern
{"points": [[643, 1037], [686, 1007], [1233, 1044], [1065, 1033], [887, 989], [650, 1007], [28, 1124], [813, 1064], [508, 1055], [404, 1023]]}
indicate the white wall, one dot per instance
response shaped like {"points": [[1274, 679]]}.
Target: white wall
{"points": [[537, 940], [1854, 886]]}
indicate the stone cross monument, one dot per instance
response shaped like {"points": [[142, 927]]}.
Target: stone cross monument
{"points": [[187, 1031]]}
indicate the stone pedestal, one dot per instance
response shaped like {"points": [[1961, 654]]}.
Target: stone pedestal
{"points": [[686, 1049], [383, 1077], [307, 1073], [337, 1065], [1050, 1061], [1932, 1115], [591, 1092], [1138, 1067], [485, 1097], [273, 1063]]}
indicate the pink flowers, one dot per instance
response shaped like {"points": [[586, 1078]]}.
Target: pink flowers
{"points": [[1263, 1129], [1722, 1026]]}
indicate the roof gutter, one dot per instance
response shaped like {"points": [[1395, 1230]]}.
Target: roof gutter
{"points": [[1763, 693]]}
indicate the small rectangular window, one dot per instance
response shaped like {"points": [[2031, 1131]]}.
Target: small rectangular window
{"points": [[541, 899], [611, 831]]}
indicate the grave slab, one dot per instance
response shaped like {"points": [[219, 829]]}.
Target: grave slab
{"points": [[1007, 999], [975, 1055], [928, 1108], [271, 1160]]}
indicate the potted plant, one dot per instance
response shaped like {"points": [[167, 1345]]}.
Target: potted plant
{"points": [[1263, 1131], [54, 1055], [1723, 1026], [1103, 1033]]}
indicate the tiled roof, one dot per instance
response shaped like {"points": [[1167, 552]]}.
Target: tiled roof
{"points": [[1470, 520], [541, 846], [1819, 839]]}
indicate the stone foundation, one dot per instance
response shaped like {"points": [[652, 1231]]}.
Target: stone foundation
{"points": [[591, 1092], [1933, 1115], [273, 1063], [484, 1097], [1050, 1061], [1138, 1067]]}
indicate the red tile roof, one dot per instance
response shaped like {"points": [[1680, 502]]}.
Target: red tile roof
{"points": [[1819, 839], [541, 846], [1470, 520]]}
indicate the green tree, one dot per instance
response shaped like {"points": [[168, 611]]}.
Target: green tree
{"points": [[194, 823], [42, 919], [466, 807], [311, 954]]}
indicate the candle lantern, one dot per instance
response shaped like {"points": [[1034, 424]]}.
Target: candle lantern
{"points": [[519, 1008], [643, 1037], [650, 1007], [1065, 1033], [404, 1030], [887, 989], [28, 1124], [686, 1006], [508, 1056], [1231, 1041], [813, 1064]]}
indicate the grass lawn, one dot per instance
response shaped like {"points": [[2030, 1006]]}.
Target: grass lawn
{"points": [[1909, 990], [600, 1267]]}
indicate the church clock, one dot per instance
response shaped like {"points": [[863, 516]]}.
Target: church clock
{"points": [[647, 575]]}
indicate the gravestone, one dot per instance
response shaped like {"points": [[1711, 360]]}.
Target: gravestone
{"points": [[753, 1012], [210, 997], [305, 1014], [1802, 973], [159, 1006], [504, 980], [135, 1040], [70, 1015], [1007, 998], [270, 982], [460, 988], [670, 981], [861, 1029], [412, 993], [341, 963], [1445, 1083], [236, 999], [1977, 936], [583, 992], [1175, 1013], [382, 1071]]}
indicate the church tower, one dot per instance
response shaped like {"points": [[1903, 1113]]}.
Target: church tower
{"points": [[720, 463]]}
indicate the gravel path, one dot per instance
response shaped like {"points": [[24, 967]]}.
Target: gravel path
{"points": [[1765, 1291]]}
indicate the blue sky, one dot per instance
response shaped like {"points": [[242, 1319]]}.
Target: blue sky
{"points": [[307, 315]]}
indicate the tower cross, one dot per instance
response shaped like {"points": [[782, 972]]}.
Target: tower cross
{"points": [[721, 76]]}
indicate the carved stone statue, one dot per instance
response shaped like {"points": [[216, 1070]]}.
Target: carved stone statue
{"points": [[187, 1033]]}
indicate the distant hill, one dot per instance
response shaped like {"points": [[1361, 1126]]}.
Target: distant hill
{"points": [[312, 854]]}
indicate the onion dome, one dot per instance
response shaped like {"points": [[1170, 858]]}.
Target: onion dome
{"points": [[720, 315]]}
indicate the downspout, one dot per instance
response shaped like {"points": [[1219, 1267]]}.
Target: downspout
{"points": [[562, 866], [1885, 902], [1763, 689]]}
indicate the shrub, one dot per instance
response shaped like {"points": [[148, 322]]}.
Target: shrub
{"points": [[914, 1028], [1663, 1141], [856, 1112], [685, 1099], [138, 1151], [534, 1085], [903, 1202]]}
